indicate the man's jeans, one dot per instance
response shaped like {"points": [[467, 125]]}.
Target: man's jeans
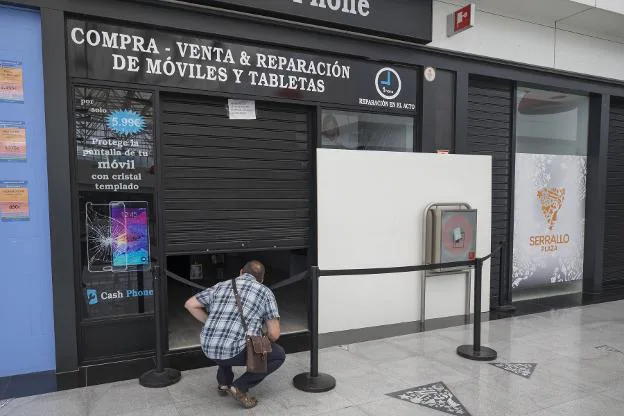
{"points": [[225, 376]]}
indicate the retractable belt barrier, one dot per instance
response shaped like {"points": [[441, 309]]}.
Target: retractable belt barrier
{"points": [[315, 382]]}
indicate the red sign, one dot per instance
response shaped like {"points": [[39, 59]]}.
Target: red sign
{"points": [[463, 19]]}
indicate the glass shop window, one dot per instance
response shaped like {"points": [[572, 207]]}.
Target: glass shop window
{"points": [[365, 131]]}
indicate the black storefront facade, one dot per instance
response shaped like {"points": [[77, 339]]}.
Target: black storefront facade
{"points": [[174, 67]]}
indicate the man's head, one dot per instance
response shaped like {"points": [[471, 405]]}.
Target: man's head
{"points": [[254, 268]]}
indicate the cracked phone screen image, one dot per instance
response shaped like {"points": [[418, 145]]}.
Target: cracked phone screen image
{"points": [[102, 230]]}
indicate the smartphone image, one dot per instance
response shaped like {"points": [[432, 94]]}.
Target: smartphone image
{"points": [[119, 231], [132, 247]]}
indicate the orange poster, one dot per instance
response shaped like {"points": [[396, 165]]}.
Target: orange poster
{"points": [[12, 140], [14, 201], [11, 82]]}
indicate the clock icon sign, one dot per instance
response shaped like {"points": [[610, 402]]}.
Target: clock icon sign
{"points": [[388, 83]]}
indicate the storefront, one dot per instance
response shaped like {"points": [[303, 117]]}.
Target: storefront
{"points": [[198, 154], [185, 136]]}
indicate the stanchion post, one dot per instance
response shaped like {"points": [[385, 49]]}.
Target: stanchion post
{"points": [[160, 376], [476, 328], [477, 352], [314, 382], [314, 342]]}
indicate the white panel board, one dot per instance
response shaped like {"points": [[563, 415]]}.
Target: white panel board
{"points": [[370, 214]]}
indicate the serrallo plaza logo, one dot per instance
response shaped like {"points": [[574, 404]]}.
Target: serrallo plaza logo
{"points": [[551, 201]]}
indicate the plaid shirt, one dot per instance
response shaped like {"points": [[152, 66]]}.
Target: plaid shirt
{"points": [[223, 335]]}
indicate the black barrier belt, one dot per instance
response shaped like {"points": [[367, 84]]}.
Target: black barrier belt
{"points": [[403, 269], [184, 281], [291, 280], [406, 269], [500, 247]]}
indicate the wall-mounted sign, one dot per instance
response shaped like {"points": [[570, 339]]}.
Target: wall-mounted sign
{"points": [[14, 204], [13, 140], [549, 219], [461, 19], [117, 53], [11, 82], [402, 19]]}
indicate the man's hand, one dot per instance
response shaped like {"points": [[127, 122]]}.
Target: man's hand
{"points": [[196, 309], [273, 329]]}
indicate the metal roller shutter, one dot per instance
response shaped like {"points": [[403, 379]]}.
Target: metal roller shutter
{"points": [[613, 265], [232, 185], [489, 133]]}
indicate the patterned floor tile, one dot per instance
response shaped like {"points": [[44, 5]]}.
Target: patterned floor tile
{"points": [[435, 396], [520, 369]]}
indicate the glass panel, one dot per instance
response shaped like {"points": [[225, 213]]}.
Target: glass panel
{"points": [[363, 131], [549, 194], [116, 184], [549, 122]]}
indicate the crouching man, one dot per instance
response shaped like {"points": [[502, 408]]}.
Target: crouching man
{"points": [[223, 337]]}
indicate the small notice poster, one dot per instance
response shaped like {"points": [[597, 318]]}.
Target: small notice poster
{"points": [[242, 109], [11, 82], [14, 201], [12, 140]]}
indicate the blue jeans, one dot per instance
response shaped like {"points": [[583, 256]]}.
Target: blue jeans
{"points": [[225, 375]]}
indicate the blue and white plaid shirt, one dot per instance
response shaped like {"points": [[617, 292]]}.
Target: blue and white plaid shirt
{"points": [[223, 335]]}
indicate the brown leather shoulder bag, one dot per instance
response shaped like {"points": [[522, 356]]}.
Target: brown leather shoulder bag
{"points": [[258, 346]]}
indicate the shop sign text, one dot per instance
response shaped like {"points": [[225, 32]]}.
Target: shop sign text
{"points": [[129, 55]]}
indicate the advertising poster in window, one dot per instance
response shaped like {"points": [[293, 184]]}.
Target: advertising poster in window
{"points": [[12, 140], [114, 140], [549, 223], [115, 173], [11, 82]]}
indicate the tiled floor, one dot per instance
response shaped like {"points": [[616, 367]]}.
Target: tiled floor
{"points": [[579, 354]]}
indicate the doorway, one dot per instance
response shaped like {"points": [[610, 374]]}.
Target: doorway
{"points": [[235, 190]]}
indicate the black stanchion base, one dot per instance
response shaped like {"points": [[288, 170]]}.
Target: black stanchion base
{"points": [[319, 384], [155, 379], [482, 354]]}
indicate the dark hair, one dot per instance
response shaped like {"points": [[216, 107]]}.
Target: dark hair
{"points": [[256, 269]]}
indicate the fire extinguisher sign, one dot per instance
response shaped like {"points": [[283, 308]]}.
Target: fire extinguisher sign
{"points": [[461, 19]]}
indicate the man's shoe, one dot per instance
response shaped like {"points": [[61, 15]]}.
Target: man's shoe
{"points": [[246, 401]]}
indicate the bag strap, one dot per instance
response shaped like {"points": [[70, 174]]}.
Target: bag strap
{"points": [[240, 306]]}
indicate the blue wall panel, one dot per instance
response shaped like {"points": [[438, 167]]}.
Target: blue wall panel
{"points": [[26, 313]]}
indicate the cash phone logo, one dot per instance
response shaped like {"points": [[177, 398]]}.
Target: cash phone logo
{"points": [[93, 297]]}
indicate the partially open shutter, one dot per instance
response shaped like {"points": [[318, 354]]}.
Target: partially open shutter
{"points": [[489, 133], [232, 185]]}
